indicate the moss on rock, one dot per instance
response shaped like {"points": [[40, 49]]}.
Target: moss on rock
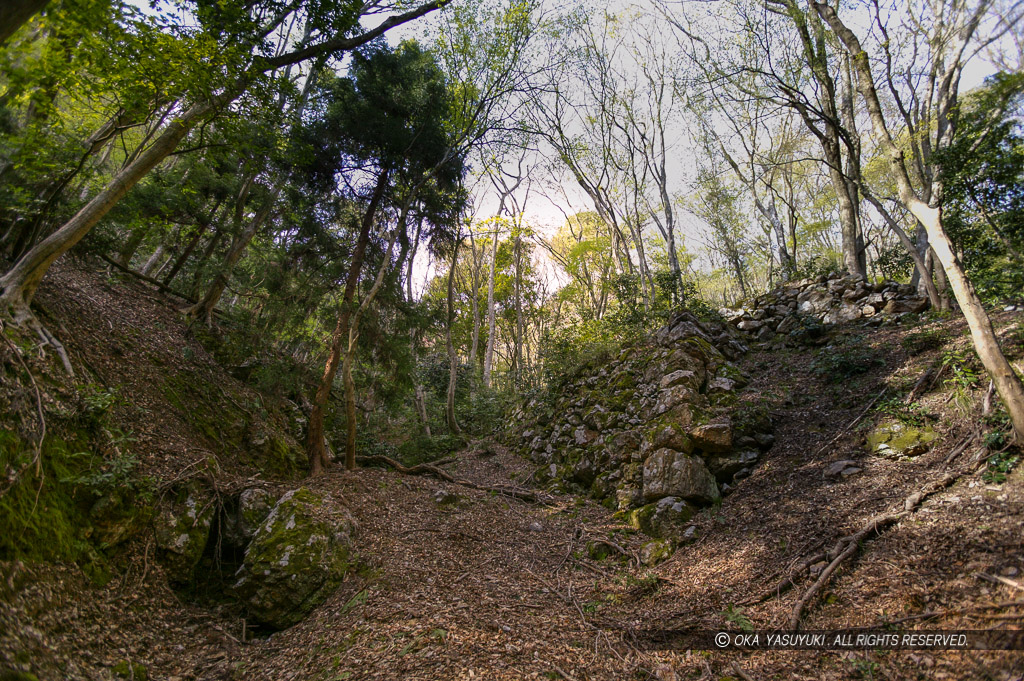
{"points": [[657, 551], [130, 670], [182, 531], [298, 557], [893, 439], [664, 519]]}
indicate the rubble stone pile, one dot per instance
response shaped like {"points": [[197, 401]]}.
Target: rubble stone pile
{"points": [[797, 305]]}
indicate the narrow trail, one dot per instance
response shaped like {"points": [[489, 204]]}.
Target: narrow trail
{"points": [[458, 583]]}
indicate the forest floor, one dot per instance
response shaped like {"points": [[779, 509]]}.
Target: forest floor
{"points": [[458, 583]]}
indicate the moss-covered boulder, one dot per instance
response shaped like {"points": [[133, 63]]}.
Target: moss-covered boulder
{"points": [[182, 530], [118, 516], [657, 551], [664, 519], [713, 437], [297, 558], [895, 440], [248, 512]]}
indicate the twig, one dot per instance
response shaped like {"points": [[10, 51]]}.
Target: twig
{"points": [[564, 674], [787, 582], [149, 280], [848, 545], [999, 580], [427, 469], [740, 673], [958, 450]]}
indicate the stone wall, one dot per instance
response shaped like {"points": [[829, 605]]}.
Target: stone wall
{"points": [[656, 432]]}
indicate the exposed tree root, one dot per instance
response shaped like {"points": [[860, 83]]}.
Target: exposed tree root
{"points": [[427, 469], [37, 460], [51, 340], [20, 315], [848, 545]]}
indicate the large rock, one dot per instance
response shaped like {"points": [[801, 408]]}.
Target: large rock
{"points": [[713, 437], [724, 466], [668, 473], [664, 519], [654, 552], [182, 531], [297, 558], [895, 440]]}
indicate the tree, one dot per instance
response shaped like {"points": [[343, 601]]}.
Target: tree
{"points": [[953, 34], [982, 173], [18, 285], [388, 121], [14, 13]]}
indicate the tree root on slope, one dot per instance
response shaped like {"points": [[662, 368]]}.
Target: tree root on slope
{"points": [[847, 547], [427, 469]]}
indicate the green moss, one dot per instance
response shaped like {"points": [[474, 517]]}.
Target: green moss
{"points": [[703, 349], [598, 550], [208, 409], [657, 551], [130, 670], [298, 557], [182, 531], [640, 519], [11, 675], [751, 417], [625, 381], [42, 516], [896, 439], [620, 400], [280, 458]]}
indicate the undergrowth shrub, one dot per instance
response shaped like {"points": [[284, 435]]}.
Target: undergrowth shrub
{"points": [[842, 362], [964, 374], [912, 414], [999, 466], [423, 449]]}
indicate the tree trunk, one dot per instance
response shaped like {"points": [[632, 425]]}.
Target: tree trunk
{"points": [[489, 353], [154, 260], [453, 360], [518, 350], [420, 400], [14, 13], [204, 308], [350, 353], [474, 346], [315, 433], [919, 265]]}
